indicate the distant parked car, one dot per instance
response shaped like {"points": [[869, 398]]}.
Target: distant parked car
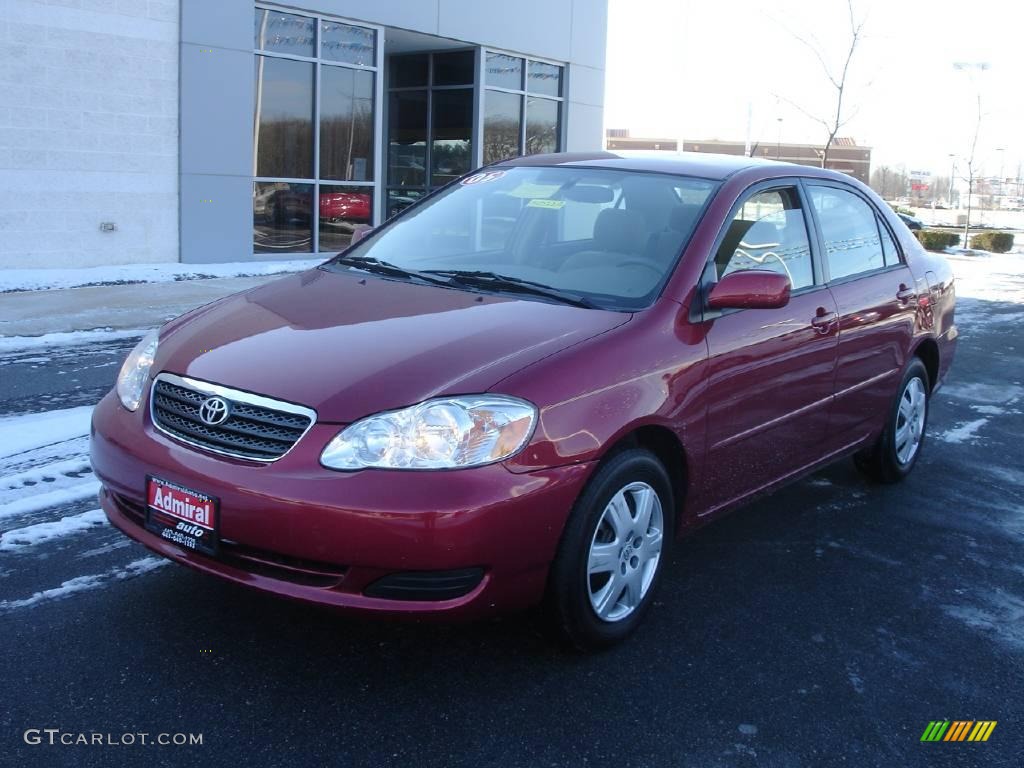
{"points": [[523, 388], [911, 221]]}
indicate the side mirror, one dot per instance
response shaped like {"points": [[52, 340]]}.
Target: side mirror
{"points": [[359, 232], [750, 289]]}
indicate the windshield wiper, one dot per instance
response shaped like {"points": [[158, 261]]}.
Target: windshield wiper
{"points": [[472, 278], [387, 269]]}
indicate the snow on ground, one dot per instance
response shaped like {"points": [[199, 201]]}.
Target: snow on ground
{"points": [[9, 344], [989, 276], [84, 583], [19, 434], [31, 535], [46, 279]]}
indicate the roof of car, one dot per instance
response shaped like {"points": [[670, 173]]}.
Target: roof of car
{"points": [[700, 164]]}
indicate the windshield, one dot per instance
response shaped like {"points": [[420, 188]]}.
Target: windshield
{"points": [[609, 237]]}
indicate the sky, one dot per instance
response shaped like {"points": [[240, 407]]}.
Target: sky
{"points": [[696, 68]]}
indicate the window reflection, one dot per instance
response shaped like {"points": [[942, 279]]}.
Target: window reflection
{"points": [[544, 79], [504, 71], [502, 122], [407, 139], [541, 126], [285, 33], [282, 217], [451, 150], [341, 209], [346, 124], [343, 42], [284, 118]]}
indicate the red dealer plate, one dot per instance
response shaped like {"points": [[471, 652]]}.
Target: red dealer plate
{"points": [[181, 515]]}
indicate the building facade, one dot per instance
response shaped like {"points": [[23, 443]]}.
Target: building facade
{"points": [[236, 130], [844, 155]]}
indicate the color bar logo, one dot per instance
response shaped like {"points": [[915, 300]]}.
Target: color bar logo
{"points": [[958, 730]]}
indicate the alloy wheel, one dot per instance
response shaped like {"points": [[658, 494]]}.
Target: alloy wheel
{"points": [[625, 552]]}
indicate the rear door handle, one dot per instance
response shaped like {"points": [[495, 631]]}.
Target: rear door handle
{"points": [[906, 294], [822, 321]]}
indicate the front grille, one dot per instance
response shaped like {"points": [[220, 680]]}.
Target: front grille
{"points": [[256, 428]]}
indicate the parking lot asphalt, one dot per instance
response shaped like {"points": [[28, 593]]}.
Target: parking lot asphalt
{"points": [[825, 625]]}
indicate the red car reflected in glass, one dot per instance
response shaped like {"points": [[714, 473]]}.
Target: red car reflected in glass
{"points": [[526, 386], [345, 206]]}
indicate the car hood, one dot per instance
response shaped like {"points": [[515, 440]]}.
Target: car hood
{"points": [[348, 345]]}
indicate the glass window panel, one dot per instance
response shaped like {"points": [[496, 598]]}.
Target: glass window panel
{"points": [[892, 256], [502, 121], [451, 150], [341, 209], [400, 199], [284, 118], [407, 139], [544, 79], [454, 68], [346, 124], [343, 42], [769, 232], [282, 221], [504, 71], [848, 226], [542, 125], [285, 33], [409, 71]]}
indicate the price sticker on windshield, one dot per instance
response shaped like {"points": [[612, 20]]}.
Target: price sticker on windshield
{"points": [[543, 203], [482, 178]]}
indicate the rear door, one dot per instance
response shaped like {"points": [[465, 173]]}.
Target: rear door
{"points": [[877, 304], [770, 371]]}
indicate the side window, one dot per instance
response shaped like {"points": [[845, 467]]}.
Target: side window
{"points": [[850, 230], [892, 256], [768, 232]]}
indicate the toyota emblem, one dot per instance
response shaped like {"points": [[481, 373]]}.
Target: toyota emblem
{"points": [[214, 411]]}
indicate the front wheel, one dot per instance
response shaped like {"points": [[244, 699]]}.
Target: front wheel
{"points": [[612, 552], [893, 456]]}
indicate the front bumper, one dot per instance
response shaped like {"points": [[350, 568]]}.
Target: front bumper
{"points": [[298, 530]]}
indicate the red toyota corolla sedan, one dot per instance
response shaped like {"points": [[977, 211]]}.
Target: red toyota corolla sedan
{"points": [[523, 388]]}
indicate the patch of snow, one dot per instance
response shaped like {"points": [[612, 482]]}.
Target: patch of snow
{"points": [[35, 430], [964, 432], [86, 583], [9, 344], [999, 614], [40, 501], [33, 535], [983, 393], [988, 410], [47, 279], [748, 730]]}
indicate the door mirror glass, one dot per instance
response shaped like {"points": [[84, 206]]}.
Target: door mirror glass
{"points": [[750, 289]]}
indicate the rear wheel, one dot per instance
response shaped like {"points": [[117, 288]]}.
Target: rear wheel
{"points": [[895, 453], [612, 552]]}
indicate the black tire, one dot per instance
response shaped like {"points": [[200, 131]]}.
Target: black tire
{"points": [[569, 611], [881, 461]]}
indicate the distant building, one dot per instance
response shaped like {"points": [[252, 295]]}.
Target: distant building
{"points": [[844, 156]]}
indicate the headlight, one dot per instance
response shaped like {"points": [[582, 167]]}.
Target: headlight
{"points": [[131, 381], [447, 433]]}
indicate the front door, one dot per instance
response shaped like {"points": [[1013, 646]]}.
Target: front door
{"points": [[770, 371], [877, 303]]}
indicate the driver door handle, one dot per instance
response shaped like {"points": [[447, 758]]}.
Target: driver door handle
{"points": [[823, 321]]}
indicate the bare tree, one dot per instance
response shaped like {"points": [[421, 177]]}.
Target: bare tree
{"points": [[969, 160], [835, 120]]}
